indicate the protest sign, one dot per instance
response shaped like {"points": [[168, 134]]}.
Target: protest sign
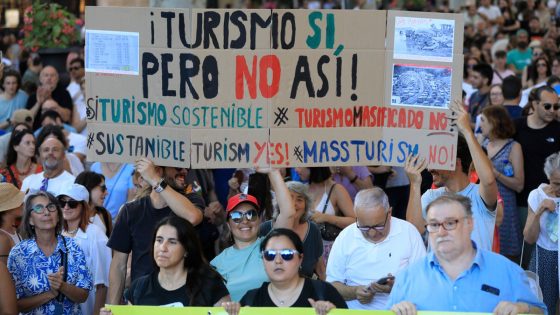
{"points": [[208, 88]]}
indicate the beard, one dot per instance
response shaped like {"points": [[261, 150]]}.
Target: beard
{"points": [[51, 164]]}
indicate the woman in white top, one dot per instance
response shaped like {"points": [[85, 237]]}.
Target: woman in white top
{"points": [[542, 228], [331, 202], [73, 200], [11, 205]]}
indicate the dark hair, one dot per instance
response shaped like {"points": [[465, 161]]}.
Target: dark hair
{"points": [[463, 153], [511, 87], [291, 235], [552, 80], [451, 198], [26, 229], [52, 114], [500, 54], [319, 174], [536, 94], [89, 180], [15, 139], [485, 71], [198, 269], [50, 130], [502, 125], [533, 74], [11, 73], [80, 60]]}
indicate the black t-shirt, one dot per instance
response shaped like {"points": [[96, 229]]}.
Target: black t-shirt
{"points": [[134, 229], [146, 290], [59, 94], [537, 145], [312, 246], [261, 298]]}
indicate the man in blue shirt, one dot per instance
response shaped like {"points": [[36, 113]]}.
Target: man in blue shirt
{"points": [[457, 276]]}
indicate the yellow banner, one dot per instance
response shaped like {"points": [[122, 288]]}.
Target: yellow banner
{"points": [[151, 310]]}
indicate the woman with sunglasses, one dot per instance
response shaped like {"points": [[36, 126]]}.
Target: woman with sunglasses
{"points": [[182, 277], [73, 200], [538, 72], [240, 265], [282, 256], [20, 160], [306, 229], [95, 184], [49, 270]]}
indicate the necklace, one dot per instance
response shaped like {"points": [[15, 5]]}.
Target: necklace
{"points": [[73, 232], [287, 300]]}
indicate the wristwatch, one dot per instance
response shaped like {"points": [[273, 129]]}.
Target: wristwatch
{"points": [[161, 185]]}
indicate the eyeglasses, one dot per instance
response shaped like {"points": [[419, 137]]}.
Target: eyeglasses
{"points": [[103, 188], [548, 106], [70, 202], [366, 228], [237, 216], [448, 225], [74, 68], [286, 254], [40, 209]]}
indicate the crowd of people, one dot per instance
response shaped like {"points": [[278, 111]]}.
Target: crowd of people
{"points": [[77, 235]]}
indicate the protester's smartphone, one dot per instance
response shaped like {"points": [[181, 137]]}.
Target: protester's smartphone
{"points": [[385, 280]]}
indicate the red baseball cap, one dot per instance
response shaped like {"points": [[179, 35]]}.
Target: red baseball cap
{"points": [[241, 198]]}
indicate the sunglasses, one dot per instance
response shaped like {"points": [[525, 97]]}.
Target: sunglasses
{"points": [[103, 188], [237, 216], [286, 254], [548, 106], [70, 202]]}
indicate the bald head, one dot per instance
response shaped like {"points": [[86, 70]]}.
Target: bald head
{"points": [[49, 77]]}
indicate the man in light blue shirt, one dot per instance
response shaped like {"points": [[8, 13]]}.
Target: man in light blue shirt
{"points": [[457, 276]]}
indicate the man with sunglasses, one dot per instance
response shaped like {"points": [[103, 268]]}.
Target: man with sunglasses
{"points": [[365, 253], [137, 220], [458, 276], [539, 136], [77, 72]]}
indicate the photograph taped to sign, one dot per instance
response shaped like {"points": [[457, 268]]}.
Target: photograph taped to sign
{"points": [[420, 85], [423, 39], [112, 52]]}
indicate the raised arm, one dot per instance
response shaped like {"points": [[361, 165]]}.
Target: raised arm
{"points": [[414, 165], [488, 188], [287, 216], [178, 203]]}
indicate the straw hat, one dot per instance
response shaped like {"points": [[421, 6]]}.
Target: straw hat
{"points": [[10, 197]]}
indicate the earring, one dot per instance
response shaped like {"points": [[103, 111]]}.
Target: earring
{"points": [[186, 255]]}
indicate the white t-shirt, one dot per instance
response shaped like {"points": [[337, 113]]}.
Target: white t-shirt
{"points": [[548, 220], [78, 142], [54, 185], [96, 220], [353, 260], [492, 12], [98, 259]]}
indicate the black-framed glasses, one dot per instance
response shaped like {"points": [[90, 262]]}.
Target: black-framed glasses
{"points": [[548, 106], [367, 228], [286, 254], [447, 225], [103, 188], [70, 202], [40, 209], [237, 216]]}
